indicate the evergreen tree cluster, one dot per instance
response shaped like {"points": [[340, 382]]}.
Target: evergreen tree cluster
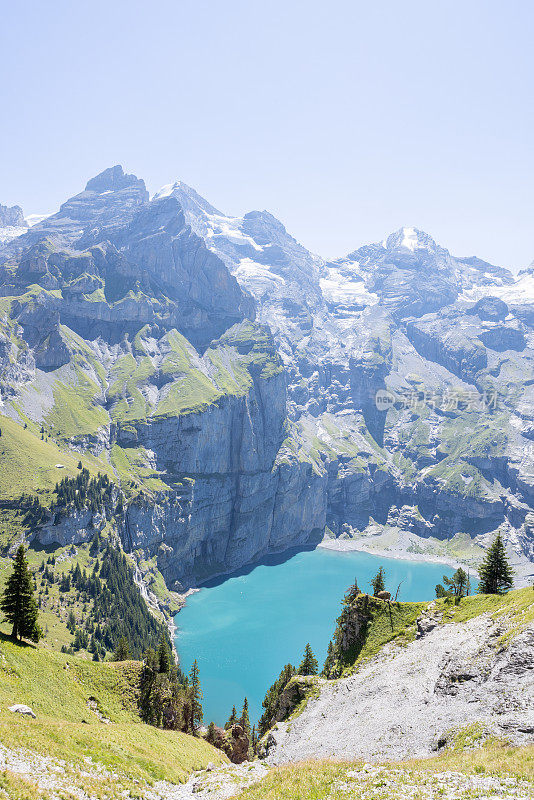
{"points": [[84, 492], [167, 698], [333, 663], [244, 721], [272, 698], [33, 512], [111, 603], [308, 666]]}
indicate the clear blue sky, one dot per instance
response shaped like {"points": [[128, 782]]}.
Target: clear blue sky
{"points": [[346, 119]]}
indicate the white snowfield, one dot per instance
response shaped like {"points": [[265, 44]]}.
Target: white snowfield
{"points": [[522, 291]]}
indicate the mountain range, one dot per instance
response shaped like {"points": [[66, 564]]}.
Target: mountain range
{"points": [[246, 396]]}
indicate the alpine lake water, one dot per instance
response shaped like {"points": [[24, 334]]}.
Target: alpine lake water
{"points": [[244, 628]]}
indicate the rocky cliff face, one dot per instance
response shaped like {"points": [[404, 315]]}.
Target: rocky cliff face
{"points": [[12, 223], [248, 395]]}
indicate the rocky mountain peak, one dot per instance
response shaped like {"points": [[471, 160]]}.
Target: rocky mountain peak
{"points": [[191, 202], [410, 239], [12, 217], [113, 179]]}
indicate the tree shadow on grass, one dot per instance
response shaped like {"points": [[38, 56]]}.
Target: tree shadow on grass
{"points": [[6, 637]]}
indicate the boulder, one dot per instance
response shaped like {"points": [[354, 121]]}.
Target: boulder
{"points": [[22, 709]]}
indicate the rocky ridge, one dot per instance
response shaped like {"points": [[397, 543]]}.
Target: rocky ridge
{"points": [[411, 701], [230, 378]]}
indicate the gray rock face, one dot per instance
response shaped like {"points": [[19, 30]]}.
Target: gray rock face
{"points": [[12, 224], [405, 402], [107, 202], [236, 506], [12, 217], [408, 702]]}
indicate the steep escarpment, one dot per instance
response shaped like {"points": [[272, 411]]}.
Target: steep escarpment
{"points": [[248, 396]]}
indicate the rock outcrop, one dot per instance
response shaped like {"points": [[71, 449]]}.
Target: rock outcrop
{"points": [[411, 701]]}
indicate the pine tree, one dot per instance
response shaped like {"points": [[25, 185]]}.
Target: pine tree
{"points": [[379, 582], [496, 574], [254, 741], [352, 593], [329, 660], [457, 586], [232, 719], [244, 719], [71, 622], [18, 601], [164, 657], [122, 651], [196, 697], [309, 664], [210, 733]]}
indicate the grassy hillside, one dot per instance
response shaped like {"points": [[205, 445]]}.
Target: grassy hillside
{"points": [[66, 693], [516, 609], [424, 778], [30, 463]]}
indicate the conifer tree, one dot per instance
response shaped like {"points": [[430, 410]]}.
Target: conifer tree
{"points": [[309, 664], [379, 582], [271, 700], [352, 593], [328, 661], [18, 601], [457, 586], [196, 697], [496, 574], [254, 741], [210, 734], [164, 657], [245, 719], [71, 622], [122, 651], [232, 719]]}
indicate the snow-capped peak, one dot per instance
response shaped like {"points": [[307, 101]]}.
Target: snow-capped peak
{"points": [[188, 198], [410, 239]]}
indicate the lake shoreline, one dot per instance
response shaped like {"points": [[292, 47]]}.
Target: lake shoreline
{"points": [[399, 554]]}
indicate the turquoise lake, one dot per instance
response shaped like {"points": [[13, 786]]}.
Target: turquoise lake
{"points": [[243, 629]]}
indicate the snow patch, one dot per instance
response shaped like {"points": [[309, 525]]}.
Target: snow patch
{"points": [[11, 232], [256, 275], [409, 239], [338, 287]]}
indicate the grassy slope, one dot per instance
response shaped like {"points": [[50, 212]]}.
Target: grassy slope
{"points": [[28, 466], [55, 605], [516, 609], [29, 463], [318, 780], [58, 687]]}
